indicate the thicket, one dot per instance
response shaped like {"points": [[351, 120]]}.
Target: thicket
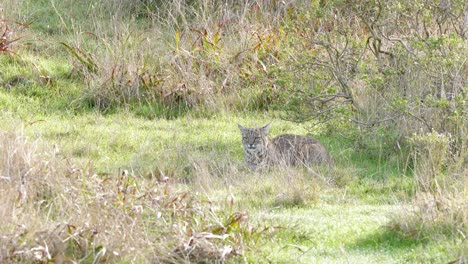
{"points": [[395, 71]]}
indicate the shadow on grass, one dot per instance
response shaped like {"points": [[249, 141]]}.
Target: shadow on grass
{"points": [[385, 240], [428, 249], [370, 165], [374, 178]]}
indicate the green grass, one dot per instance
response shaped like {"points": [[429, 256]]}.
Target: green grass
{"points": [[346, 233], [115, 140], [340, 214], [341, 221], [328, 233]]}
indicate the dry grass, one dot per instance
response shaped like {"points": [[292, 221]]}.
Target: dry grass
{"points": [[430, 155], [10, 34], [201, 54], [280, 187], [439, 213], [437, 216], [179, 54], [219, 174], [440, 207], [52, 210]]}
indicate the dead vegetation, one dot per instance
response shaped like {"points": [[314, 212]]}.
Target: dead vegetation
{"points": [[52, 210]]}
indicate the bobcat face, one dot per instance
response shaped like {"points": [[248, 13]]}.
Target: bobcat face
{"points": [[255, 144], [254, 139]]}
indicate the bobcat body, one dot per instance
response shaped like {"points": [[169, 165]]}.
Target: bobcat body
{"points": [[286, 149]]}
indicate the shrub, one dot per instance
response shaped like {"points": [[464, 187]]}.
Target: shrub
{"points": [[430, 152], [440, 205], [380, 65]]}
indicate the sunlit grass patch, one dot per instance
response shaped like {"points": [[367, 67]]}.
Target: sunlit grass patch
{"points": [[322, 233]]}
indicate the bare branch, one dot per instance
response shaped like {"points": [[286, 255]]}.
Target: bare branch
{"points": [[371, 124]]}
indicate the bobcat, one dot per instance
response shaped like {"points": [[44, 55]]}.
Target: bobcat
{"points": [[284, 149]]}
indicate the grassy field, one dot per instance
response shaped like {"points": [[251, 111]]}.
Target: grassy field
{"points": [[326, 216], [111, 153]]}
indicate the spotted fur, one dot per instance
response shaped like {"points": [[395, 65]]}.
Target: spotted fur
{"points": [[286, 149]]}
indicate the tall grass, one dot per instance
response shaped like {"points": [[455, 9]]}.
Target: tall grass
{"points": [[440, 205], [180, 54], [53, 210]]}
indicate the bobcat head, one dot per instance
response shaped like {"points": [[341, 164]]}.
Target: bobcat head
{"points": [[255, 144]]}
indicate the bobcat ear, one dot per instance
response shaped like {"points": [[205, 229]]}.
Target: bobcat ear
{"points": [[241, 128], [266, 128]]}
